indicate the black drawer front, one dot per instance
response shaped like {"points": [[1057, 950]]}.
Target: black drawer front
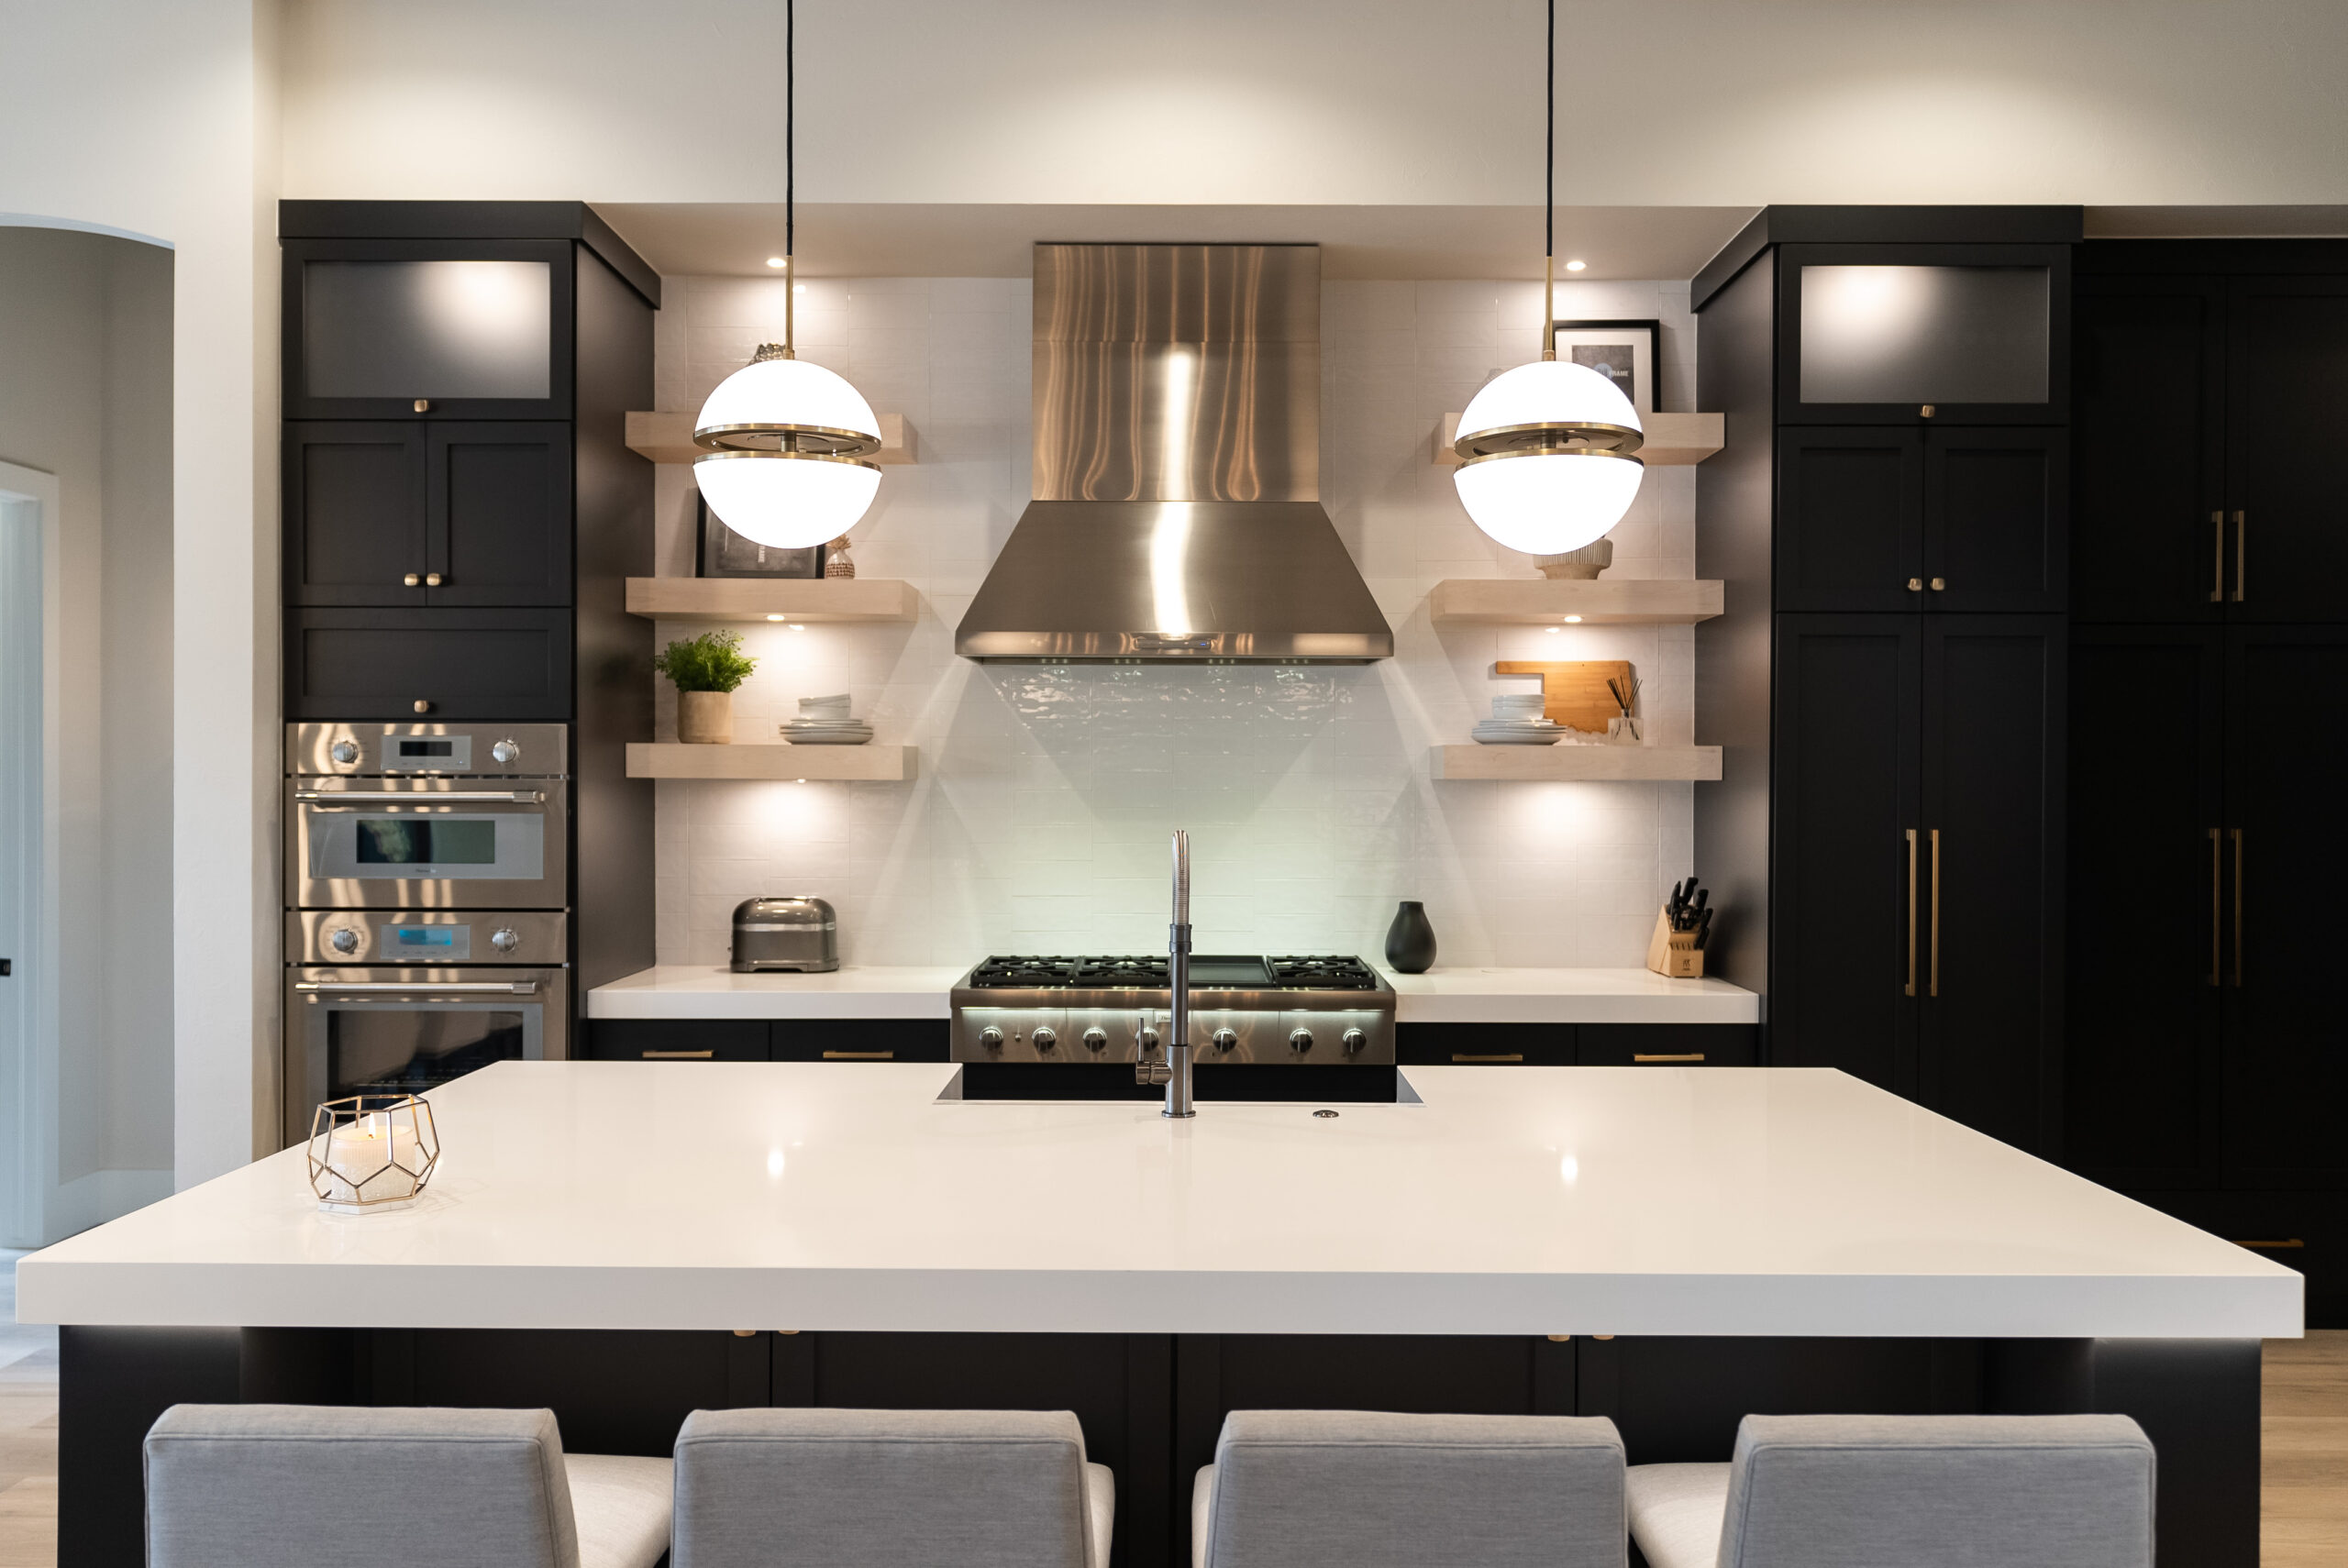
{"points": [[1669, 1045], [1484, 1045], [861, 1039], [678, 1040], [462, 664]]}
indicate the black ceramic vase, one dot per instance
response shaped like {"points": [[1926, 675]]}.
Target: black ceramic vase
{"points": [[1410, 941]]}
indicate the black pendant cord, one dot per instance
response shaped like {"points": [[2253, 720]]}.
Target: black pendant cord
{"points": [[789, 122], [1549, 160]]}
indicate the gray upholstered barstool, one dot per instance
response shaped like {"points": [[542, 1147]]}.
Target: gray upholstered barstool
{"points": [[317, 1487], [1919, 1490], [802, 1488], [1364, 1490]]}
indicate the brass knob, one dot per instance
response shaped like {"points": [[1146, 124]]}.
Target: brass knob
{"points": [[421, 706], [412, 579], [432, 580], [1928, 411], [1939, 584], [1915, 585], [424, 405]]}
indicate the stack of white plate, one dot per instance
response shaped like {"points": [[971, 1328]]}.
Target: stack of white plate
{"points": [[1516, 721], [824, 721]]}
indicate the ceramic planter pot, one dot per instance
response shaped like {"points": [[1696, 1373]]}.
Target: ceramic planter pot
{"points": [[705, 718]]}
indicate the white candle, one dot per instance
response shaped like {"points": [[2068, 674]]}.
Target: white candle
{"points": [[366, 1148]]}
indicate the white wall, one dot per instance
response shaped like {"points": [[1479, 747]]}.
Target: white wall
{"points": [[1667, 101], [157, 117], [1046, 795], [85, 333]]}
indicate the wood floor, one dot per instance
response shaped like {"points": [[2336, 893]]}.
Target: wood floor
{"points": [[2306, 1458]]}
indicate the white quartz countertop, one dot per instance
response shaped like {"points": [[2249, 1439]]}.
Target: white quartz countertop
{"points": [[621, 1195], [1440, 996]]}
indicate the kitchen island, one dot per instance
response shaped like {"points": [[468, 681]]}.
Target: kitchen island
{"points": [[1669, 1247]]}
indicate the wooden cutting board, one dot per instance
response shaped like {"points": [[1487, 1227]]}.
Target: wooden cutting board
{"points": [[1574, 694]]}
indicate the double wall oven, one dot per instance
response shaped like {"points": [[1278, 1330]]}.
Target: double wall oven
{"points": [[427, 890]]}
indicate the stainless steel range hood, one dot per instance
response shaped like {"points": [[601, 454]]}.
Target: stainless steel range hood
{"points": [[1177, 434]]}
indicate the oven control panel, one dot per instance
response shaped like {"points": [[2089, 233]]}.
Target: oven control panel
{"points": [[389, 750], [426, 937]]}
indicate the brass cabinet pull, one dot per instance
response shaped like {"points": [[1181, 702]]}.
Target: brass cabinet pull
{"points": [[2241, 554], [1667, 1056], [2237, 837], [2216, 905], [433, 579], [1935, 983], [412, 580], [1940, 585], [860, 1055], [1910, 989], [2217, 564], [1915, 585], [1507, 1056], [2289, 1244], [679, 1055]]}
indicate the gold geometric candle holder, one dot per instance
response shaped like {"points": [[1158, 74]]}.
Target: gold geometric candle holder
{"points": [[371, 1151]]}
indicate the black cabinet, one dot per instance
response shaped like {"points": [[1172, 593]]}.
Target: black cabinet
{"points": [[438, 664], [1667, 1045], [2286, 402], [1884, 519], [677, 1040], [1917, 829], [763, 1039], [861, 1039], [383, 514]]}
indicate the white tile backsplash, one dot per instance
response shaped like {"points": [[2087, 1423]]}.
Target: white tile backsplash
{"points": [[1039, 821]]}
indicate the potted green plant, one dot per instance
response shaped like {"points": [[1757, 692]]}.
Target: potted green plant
{"points": [[706, 670]]}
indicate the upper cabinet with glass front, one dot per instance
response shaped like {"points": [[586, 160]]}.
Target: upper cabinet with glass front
{"points": [[413, 329], [1907, 334]]}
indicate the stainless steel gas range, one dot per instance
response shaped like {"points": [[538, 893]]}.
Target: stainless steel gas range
{"points": [[1253, 1012]]}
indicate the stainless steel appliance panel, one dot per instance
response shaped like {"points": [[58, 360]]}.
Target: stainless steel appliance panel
{"points": [[491, 751], [395, 1028], [426, 937], [792, 933], [428, 844]]}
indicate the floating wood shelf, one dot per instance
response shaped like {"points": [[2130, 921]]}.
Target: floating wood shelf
{"points": [[1539, 601], [669, 437], [823, 599], [807, 764], [1674, 440], [1605, 764]]}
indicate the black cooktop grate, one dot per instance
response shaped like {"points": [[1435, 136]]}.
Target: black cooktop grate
{"points": [[1148, 972]]}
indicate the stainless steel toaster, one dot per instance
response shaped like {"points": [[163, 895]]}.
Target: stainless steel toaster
{"points": [[790, 933]]}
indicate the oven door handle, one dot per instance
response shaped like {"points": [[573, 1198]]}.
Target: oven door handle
{"points": [[477, 988], [420, 797]]}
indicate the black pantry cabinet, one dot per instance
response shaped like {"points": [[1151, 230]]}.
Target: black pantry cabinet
{"points": [[1890, 517], [2210, 692], [461, 510]]}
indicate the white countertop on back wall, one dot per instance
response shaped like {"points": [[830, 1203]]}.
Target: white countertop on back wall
{"points": [[1466, 995]]}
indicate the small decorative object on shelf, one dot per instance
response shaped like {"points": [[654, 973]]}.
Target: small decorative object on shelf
{"points": [[1683, 929], [838, 562], [706, 670], [1410, 941], [824, 721], [1625, 728], [724, 553], [1578, 566], [371, 1151]]}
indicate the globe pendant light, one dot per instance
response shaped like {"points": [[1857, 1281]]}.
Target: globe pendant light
{"points": [[1546, 462], [786, 441]]}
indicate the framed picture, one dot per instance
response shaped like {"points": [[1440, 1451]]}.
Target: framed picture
{"points": [[723, 553], [1624, 351]]}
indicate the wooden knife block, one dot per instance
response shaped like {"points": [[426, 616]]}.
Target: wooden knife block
{"points": [[1574, 693], [1674, 954]]}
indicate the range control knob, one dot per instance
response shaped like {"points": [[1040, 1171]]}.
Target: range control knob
{"points": [[344, 751], [1047, 1038], [1224, 1039], [1354, 1041], [991, 1037], [1299, 1040], [1148, 1038], [1096, 1039], [505, 938], [505, 751], [343, 940]]}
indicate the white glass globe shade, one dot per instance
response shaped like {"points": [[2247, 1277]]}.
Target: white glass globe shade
{"points": [[1548, 392], [788, 392], [787, 503], [1547, 504]]}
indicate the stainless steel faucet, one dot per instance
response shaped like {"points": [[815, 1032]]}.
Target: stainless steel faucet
{"points": [[1175, 1073]]}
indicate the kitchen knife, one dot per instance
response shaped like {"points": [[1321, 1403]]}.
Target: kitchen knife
{"points": [[1703, 930]]}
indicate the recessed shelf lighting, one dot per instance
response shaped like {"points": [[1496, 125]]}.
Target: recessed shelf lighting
{"points": [[798, 288], [1573, 620], [799, 625], [774, 261], [1575, 265], [775, 617], [1553, 631]]}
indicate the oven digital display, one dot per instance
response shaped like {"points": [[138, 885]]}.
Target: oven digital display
{"points": [[425, 841], [426, 944], [425, 936], [428, 748]]}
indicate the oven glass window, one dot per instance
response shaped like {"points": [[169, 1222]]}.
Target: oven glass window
{"points": [[426, 841], [402, 1050]]}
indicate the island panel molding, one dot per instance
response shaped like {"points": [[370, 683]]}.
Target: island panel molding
{"points": [[1599, 1200], [668, 437], [1563, 763], [1531, 601], [811, 599], [867, 763]]}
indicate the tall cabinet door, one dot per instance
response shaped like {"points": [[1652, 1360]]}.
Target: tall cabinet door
{"points": [[500, 513], [2148, 539], [1850, 519], [1846, 956], [353, 505], [1997, 518], [1993, 772], [2287, 469], [2147, 907], [2286, 1035]]}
